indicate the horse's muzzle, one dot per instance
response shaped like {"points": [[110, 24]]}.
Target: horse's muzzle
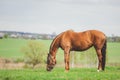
{"points": [[49, 68]]}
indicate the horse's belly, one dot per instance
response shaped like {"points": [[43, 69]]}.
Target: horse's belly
{"points": [[81, 47]]}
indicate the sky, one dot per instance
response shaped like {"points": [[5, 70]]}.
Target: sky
{"points": [[49, 16]]}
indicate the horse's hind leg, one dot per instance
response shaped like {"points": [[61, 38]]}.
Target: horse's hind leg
{"points": [[99, 54], [67, 57]]}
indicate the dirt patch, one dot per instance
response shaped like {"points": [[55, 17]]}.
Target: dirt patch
{"points": [[9, 64]]}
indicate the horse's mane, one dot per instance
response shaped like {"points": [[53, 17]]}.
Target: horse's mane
{"points": [[54, 41]]}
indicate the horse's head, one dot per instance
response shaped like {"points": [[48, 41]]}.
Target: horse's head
{"points": [[51, 61]]}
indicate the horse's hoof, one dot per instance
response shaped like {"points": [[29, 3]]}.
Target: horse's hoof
{"points": [[66, 71], [98, 70]]}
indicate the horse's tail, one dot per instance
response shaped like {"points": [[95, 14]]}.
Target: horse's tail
{"points": [[104, 54]]}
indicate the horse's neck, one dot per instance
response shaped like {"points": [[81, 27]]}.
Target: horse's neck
{"points": [[53, 48], [53, 52], [55, 45]]}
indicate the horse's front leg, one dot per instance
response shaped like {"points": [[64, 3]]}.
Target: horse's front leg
{"points": [[66, 58]]}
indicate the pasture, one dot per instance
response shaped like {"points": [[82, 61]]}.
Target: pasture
{"points": [[11, 48], [111, 73]]}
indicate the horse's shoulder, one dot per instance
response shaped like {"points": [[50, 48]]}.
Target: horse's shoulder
{"points": [[68, 32]]}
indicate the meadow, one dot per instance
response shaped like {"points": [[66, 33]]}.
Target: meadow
{"points": [[111, 73], [11, 48]]}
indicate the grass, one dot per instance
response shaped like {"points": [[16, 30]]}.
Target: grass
{"points": [[113, 52], [111, 73], [11, 48]]}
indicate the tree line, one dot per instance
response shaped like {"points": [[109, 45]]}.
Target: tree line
{"points": [[26, 35], [113, 39]]}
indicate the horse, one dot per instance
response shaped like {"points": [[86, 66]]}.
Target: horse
{"points": [[78, 41]]}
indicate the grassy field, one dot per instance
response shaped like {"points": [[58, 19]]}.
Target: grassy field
{"points": [[111, 73], [113, 52], [11, 48]]}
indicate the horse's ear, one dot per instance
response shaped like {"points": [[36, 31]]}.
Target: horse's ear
{"points": [[48, 54]]}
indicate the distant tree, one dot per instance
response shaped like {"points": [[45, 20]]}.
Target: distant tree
{"points": [[53, 35], [45, 36], [6, 36], [34, 53]]}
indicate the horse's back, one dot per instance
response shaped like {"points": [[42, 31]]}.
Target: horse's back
{"points": [[91, 34], [81, 40], [75, 40], [88, 33], [97, 32]]}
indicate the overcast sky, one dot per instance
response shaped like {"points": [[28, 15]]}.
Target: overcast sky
{"points": [[48, 16]]}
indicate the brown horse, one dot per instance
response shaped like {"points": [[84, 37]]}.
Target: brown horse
{"points": [[77, 41]]}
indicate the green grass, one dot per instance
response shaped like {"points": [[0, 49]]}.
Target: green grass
{"points": [[113, 52], [11, 48], [111, 73]]}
